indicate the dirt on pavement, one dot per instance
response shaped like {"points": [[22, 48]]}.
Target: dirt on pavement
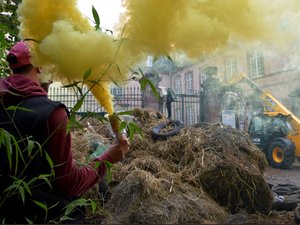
{"points": [[280, 176]]}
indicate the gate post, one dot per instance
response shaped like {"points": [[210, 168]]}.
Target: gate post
{"points": [[149, 99]]}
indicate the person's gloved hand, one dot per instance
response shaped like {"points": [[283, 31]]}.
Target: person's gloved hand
{"points": [[118, 150]]}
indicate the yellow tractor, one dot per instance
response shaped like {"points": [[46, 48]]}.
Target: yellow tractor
{"points": [[276, 131]]}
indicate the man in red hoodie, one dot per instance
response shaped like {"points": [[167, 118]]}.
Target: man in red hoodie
{"points": [[37, 149]]}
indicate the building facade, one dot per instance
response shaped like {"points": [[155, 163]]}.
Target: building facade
{"points": [[276, 72]]}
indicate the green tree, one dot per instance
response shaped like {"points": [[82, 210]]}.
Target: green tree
{"points": [[8, 30], [9, 19]]}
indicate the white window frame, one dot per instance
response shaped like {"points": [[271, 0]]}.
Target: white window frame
{"points": [[177, 84], [256, 63], [230, 67], [189, 82]]}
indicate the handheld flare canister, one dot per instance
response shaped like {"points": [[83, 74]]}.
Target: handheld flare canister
{"points": [[115, 125]]}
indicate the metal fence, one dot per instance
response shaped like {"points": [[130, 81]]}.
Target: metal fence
{"points": [[124, 99], [186, 107]]}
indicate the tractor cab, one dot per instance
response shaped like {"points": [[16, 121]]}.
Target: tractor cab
{"points": [[270, 133], [264, 127]]}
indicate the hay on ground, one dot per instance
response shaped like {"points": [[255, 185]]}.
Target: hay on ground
{"points": [[200, 175]]}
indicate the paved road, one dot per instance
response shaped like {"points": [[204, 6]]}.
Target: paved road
{"points": [[291, 176]]}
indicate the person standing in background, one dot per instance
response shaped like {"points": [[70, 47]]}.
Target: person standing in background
{"points": [[169, 99], [162, 98]]}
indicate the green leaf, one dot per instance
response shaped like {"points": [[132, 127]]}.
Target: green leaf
{"points": [[38, 146], [64, 218], [129, 112], [87, 74], [133, 129], [13, 186], [29, 221], [40, 204], [96, 18], [108, 175], [17, 155], [8, 146], [31, 181], [21, 192], [96, 115], [169, 57], [2, 40], [71, 122], [78, 104], [14, 108], [72, 205], [45, 178], [153, 88], [53, 206], [27, 188], [94, 206], [118, 68], [114, 82], [143, 82], [50, 162], [97, 164], [108, 164], [30, 146], [123, 125], [141, 71], [79, 89], [75, 84]]}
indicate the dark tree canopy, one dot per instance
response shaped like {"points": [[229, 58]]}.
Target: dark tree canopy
{"points": [[9, 19], [8, 30]]}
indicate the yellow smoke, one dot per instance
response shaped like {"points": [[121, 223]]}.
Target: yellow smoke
{"points": [[159, 27], [67, 41], [198, 27]]}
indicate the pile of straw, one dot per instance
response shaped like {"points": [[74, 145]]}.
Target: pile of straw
{"points": [[202, 175]]}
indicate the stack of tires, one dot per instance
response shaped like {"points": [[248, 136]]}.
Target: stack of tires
{"points": [[287, 197]]}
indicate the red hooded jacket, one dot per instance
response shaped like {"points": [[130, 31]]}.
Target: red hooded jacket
{"points": [[71, 179]]}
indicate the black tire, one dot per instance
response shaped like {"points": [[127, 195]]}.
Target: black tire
{"points": [[291, 186], [294, 197], [281, 154], [155, 131], [296, 192], [288, 205], [293, 189], [282, 190], [285, 189]]}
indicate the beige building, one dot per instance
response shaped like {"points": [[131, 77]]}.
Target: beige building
{"points": [[277, 73], [271, 69]]}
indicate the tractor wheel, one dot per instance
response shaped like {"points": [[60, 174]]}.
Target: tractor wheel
{"points": [[281, 154]]}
